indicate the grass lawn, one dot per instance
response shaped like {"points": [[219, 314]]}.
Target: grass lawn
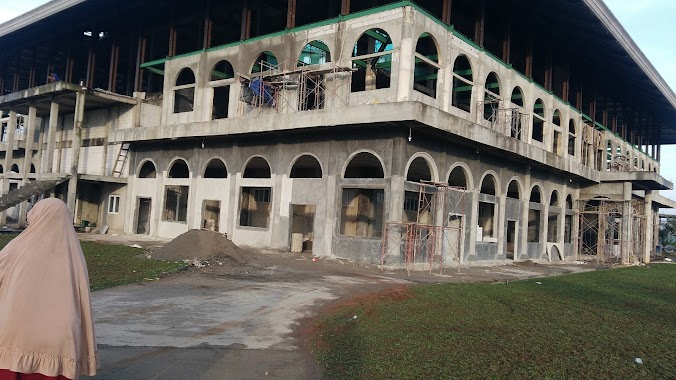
{"points": [[112, 265], [588, 325]]}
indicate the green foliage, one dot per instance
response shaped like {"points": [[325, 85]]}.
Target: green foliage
{"points": [[589, 325], [112, 265]]}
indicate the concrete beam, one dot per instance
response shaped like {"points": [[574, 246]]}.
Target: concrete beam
{"points": [[413, 113]]}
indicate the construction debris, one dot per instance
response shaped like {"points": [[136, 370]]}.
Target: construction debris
{"points": [[200, 245]]}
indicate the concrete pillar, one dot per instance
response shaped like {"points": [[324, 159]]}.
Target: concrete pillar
{"points": [[9, 155], [51, 135], [474, 220], [544, 232], [28, 157], [522, 242], [77, 142], [502, 225], [406, 57], [626, 223], [649, 227]]}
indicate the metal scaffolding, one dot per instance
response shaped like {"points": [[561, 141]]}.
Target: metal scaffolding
{"points": [[437, 234], [284, 87], [611, 231]]}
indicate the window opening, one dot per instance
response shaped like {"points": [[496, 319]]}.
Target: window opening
{"points": [[255, 207], [362, 212], [538, 121], [462, 84], [372, 61], [426, 66], [175, 204]]}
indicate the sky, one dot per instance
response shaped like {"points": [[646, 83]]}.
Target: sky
{"points": [[651, 23]]}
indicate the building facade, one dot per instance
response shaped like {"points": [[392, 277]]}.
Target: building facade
{"points": [[431, 133]]}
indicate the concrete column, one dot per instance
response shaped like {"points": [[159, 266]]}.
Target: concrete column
{"points": [[406, 57], [51, 135], [626, 223], [649, 227], [544, 232], [474, 220], [77, 141], [501, 207], [28, 157], [9, 154], [522, 242], [104, 161]]}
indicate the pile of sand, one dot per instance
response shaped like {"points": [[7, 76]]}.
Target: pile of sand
{"points": [[201, 244]]}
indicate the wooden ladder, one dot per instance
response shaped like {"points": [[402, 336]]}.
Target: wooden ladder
{"points": [[121, 160]]}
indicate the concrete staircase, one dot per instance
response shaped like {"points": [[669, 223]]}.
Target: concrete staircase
{"points": [[30, 189]]}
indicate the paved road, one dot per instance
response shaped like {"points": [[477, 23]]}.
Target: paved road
{"points": [[215, 325], [193, 326]]}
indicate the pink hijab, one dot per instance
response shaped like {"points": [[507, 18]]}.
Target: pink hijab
{"points": [[45, 313]]}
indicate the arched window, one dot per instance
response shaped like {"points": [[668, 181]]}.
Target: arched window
{"points": [[426, 65], [491, 97], [513, 190], [556, 138], [553, 219], [462, 84], [372, 61], [179, 169], [215, 169], [515, 115], [568, 221], [147, 170], [2, 170], [257, 167], [222, 70], [554, 200], [458, 177], [15, 168], [517, 97], [306, 166], [32, 169], [313, 87], [266, 61], [488, 185], [314, 53], [364, 165], [538, 132], [418, 171], [534, 216], [488, 220], [224, 75], [571, 137], [535, 195], [184, 91]]}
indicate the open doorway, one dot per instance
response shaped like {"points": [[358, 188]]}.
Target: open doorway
{"points": [[143, 217], [302, 226], [511, 239], [453, 240], [211, 211]]}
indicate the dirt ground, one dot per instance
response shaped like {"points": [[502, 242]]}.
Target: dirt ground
{"points": [[248, 319], [266, 265]]}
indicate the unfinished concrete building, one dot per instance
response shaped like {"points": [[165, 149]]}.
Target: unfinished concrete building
{"points": [[434, 132]]}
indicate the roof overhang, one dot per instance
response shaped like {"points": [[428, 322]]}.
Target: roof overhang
{"points": [[37, 14], [603, 13]]}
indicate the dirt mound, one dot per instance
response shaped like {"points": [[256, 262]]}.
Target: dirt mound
{"points": [[201, 244]]}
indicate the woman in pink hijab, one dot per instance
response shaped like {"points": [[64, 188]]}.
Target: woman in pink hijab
{"points": [[46, 327]]}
